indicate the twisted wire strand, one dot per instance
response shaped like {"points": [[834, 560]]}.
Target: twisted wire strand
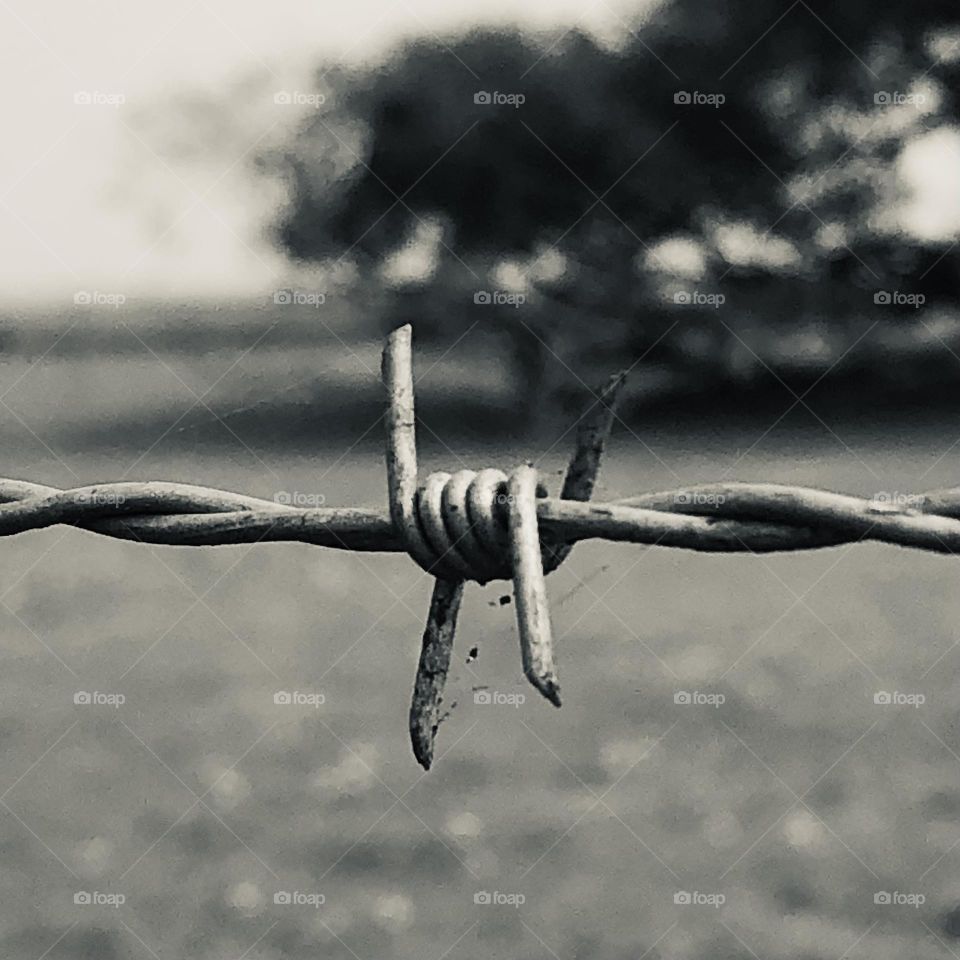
{"points": [[732, 517]]}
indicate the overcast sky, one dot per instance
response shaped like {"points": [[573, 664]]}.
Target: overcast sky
{"points": [[85, 202], [69, 216]]}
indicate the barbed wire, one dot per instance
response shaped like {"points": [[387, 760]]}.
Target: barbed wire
{"points": [[730, 517], [487, 525]]}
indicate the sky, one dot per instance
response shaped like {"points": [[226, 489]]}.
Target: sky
{"points": [[85, 201], [88, 200]]}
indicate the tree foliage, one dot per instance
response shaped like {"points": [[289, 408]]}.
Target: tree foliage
{"points": [[783, 198]]}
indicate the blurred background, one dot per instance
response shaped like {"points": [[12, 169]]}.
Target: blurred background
{"points": [[210, 215]]}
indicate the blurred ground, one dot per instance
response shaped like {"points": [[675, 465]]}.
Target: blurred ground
{"points": [[798, 799], [197, 377]]}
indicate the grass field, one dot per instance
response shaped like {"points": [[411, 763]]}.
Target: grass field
{"points": [[199, 798]]}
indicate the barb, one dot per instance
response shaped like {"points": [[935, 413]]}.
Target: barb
{"points": [[435, 652], [436, 647], [533, 616], [449, 528], [485, 525]]}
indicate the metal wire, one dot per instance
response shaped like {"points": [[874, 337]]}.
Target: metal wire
{"points": [[724, 517], [488, 525]]}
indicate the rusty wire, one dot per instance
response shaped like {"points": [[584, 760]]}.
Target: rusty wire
{"points": [[487, 525]]}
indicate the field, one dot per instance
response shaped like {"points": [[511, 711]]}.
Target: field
{"points": [[796, 800]]}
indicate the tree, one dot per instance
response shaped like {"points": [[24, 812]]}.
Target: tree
{"points": [[745, 151]]}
